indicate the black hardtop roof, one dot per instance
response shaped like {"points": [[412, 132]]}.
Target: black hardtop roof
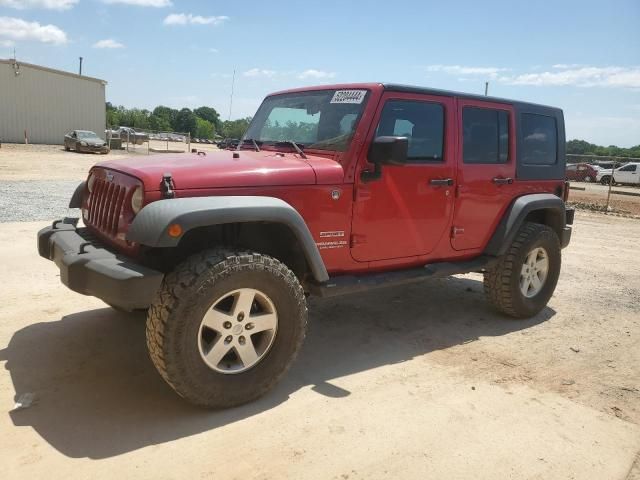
{"points": [[394, 87]]}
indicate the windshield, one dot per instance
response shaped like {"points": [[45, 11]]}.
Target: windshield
{"points": [[86, 135], [323, 120]]}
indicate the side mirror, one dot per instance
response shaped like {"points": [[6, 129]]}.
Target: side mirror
{"points": [[386, 151]]}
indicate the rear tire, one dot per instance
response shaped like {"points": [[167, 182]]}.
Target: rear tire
{"points": [[521, 283], [200, 350], [605, 180]]}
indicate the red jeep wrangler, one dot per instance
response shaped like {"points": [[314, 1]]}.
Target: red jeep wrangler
{"points": [[332, 190]]}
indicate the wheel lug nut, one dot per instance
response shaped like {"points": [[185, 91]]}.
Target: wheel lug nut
{"points": [[241, 316], [228, 339], [226, 324], [241, 340], [248, 326]]}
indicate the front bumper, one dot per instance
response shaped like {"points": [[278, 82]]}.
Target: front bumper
{"points": [[90, 269], [92, 149]]}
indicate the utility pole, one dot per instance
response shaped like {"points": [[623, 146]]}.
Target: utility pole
{"points": [[80, 66], [486, 88], [233, 81]]}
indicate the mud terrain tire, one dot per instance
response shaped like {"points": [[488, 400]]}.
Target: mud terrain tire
{"points": [[175, 326]]}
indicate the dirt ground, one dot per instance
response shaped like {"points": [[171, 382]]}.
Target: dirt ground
{"points": [[423, 381], [52, 162], [594, 196]]}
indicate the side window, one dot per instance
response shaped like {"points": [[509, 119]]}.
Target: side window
{"points": [[421, 122], [539, 139], [485, 137], [571, 168], [628, 168]]}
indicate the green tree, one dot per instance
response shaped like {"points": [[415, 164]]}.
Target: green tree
{"points": [[581, 147], [185, 122], [204, 128], [113, 117], [211, 115], [168, 114], [159, 124], [235, 128]]}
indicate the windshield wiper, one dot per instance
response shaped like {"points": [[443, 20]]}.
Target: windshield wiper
{"points": [[255, 144], [295, 146]]}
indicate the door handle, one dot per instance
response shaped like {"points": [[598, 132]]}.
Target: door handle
{"points": [[444, 182], [502, 181]]}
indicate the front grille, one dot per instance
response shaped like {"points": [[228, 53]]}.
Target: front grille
{"points": [[105, 206]]}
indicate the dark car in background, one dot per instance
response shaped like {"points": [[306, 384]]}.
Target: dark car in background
{"points": [[581, 172], [85, 141], [228, 143]]}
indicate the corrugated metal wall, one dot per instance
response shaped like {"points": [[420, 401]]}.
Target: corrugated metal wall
{"points": [[48, 104]]}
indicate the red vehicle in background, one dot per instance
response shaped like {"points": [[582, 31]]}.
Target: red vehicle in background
{"points": [[581, 172]]}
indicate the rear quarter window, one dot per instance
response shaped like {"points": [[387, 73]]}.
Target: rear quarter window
{"points": [[539, 139]]}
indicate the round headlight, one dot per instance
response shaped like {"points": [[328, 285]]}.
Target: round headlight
{"points": [[136, 200], [91, 180]]}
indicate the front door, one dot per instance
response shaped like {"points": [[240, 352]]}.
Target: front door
{"points": [[408, 210], [486, 171]]}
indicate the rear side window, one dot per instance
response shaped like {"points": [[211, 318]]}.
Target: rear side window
{"points": [[628, 168], [421, 122], [485, 137], [539, 139]]}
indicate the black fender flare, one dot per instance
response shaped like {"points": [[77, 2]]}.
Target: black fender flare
{"points": [[150, 225], [555, 214], [76, 198]]}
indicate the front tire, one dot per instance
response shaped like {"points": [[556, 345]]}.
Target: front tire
{"points": [[225, 326], [521, 283]]}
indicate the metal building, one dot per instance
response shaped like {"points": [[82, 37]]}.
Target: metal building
{"points": [[44, 104]]}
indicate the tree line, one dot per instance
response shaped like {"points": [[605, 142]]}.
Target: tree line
{"points": [[201, 122], [581, 147], [205, 122]]}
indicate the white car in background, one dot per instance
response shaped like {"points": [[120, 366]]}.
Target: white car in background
{"points": [[628, 174]]}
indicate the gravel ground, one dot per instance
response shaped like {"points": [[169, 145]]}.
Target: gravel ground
{"points": [[26, 201]]}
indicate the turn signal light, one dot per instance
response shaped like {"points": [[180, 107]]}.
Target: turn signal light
{"points": [[174, 230]]}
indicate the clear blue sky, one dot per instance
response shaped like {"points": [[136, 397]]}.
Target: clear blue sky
{"points": [[580, 55]]}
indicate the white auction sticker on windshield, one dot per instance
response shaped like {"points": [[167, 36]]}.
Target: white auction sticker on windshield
{"points": [[348, 96]]}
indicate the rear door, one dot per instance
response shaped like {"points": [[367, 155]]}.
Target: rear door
{"points": [[408, 210], [486, 170], [627, 174]]}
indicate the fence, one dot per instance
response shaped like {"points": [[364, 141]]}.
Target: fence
{"points": [[607, 197], [135, 140]]}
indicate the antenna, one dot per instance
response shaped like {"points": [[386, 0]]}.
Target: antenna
{"points": [[80, 66], [233, 81], [486, 88], [14, 54]]}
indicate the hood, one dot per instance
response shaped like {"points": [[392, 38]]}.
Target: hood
{"points": [[219, 169]]}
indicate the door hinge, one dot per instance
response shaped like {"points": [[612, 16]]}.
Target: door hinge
{"points": [[456, 231]]}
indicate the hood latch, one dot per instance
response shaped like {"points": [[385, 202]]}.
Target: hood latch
{"points": [[167, 187]]}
